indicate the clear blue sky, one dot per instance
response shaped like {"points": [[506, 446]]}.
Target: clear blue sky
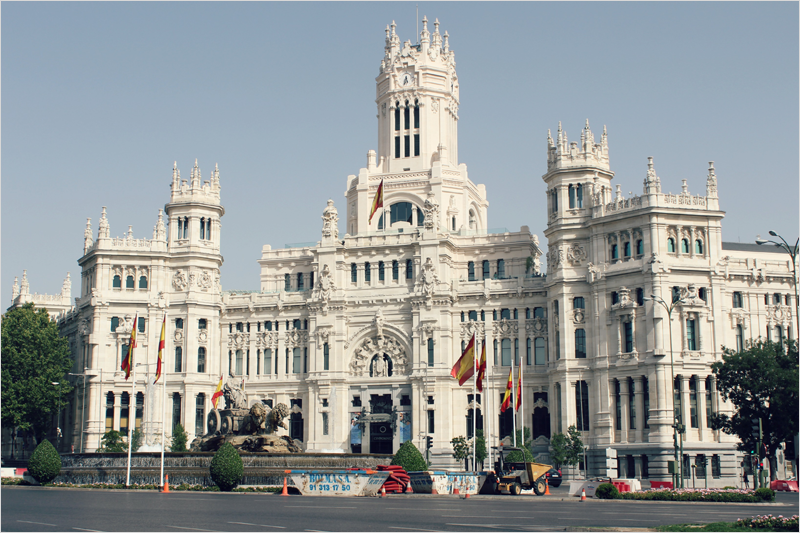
{"points": [[99, 99]]}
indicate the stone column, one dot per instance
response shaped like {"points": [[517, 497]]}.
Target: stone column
{"points": [[714, 403], [612, 408], [639, 405], [702, 423], [691, 241], [117, 410], [624, 396]]}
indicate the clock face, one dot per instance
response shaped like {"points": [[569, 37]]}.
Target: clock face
{"points": [[406, 79]]}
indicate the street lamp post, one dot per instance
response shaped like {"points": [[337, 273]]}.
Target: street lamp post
{"points": [[83, 407], [677, 425], [58, 423], [792, 251]]}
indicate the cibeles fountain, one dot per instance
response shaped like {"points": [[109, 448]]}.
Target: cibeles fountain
{"points": [[248, 430], [257, 432]]}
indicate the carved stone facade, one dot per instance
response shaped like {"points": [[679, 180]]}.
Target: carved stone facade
{"points": [[372, 320]]}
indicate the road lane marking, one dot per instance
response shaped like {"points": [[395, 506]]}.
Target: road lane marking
{"points": [[37, 523], [260, 525], [191, 528], [81, 529], [412, 528], [317, 507]]}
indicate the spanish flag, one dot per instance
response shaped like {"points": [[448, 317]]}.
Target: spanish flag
{"points": [[127, 361], [161, 348], [465, 366], [217, 393], [482, 367], [509, 388], [377, 202], [519, 390]]}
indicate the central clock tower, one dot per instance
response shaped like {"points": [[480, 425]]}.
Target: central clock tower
{"points": [[417, 97]]}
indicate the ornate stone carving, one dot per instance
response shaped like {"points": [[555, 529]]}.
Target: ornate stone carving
{"points": [[387, 346], [579, 316], [87, 236], [429, 279], [205, 281], [178, 337], [576, 254], [83, 327], [536, 327], [624, 299], [431, 211], [505, 329], [160, 230], [238, 340], [103, 230], [595, 273], [180, 281], [468, 329], [379, 321], [330, 220], [296, 338]]}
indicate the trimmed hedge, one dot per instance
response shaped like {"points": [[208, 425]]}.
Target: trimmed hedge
{"points": [[606, 491], [768, 495], [700, 495], [410, 458], [227, 468], [45, 463]]}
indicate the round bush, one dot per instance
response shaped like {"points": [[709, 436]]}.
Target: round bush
{"points": [[606, 491], [767, 495], [227, 469], [410, 458], [45, 463]]}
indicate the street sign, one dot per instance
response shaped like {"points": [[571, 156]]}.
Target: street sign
{"points": [[612, 473], [611, 463], [611, 452]]}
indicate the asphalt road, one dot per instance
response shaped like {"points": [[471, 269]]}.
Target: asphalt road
{"points": [[52, 509]]}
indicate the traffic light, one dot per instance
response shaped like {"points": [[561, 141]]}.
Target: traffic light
{"points": [[428, 442], [756, 428]]}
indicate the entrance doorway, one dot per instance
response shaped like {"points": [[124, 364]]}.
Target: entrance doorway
{"points": [[380, 437]]}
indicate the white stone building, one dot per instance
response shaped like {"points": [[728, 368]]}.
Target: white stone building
{"points": [[369, 321]]}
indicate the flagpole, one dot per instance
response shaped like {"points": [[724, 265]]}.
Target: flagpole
{"points": [[513, 404], [488, 398], [163, 397], [131, 349], [522, 402], [474, 401]]}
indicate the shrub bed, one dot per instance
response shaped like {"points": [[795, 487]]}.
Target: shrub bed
{"points": [[700, 495], [776, 523], [606, 491], [182, 486], [45, 463]]}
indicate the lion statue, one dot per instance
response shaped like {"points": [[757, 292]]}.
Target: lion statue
{"points": [[254, 423], [275, 418]]}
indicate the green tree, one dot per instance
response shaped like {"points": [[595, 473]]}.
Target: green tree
{"points": [[461, 449], [34, 356], [410, 458], [179, 438], [136, 440], [480, 448], [566, 449], [761, 382], [113, 442], [45, 463], [227, 468]]}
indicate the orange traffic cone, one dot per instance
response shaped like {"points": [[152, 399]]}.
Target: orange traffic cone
{"points": [[285, 491], [546, 487], [165, 488], [383, 492], [409, 490], [455, 490], [583, 495]]}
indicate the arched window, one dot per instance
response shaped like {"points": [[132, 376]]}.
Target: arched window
{"points": [[580, 344], [473, 316], [486, 273], [401, 212], [297, 323], [202, 323], [627, 249], [691, 334], [416, 115], [684, 246], [409, 269], [178, 323], [538, 312], [202, 229], [142, 282], [501, 269], [505, 314], [114, 323], [208, 229], [124, 413], [640, 247], [472, 221], [367, 272], [471, 271], [407, 116], [129, 282], [614, 252], [454, 223], [178, 359], [185, 227], [420, 217], [381, 276], [395, 270], [109, 411], [698, 246], [117, 283], [671, 245], [353, 272], [397, 117], [578, 303], [201, 360]]}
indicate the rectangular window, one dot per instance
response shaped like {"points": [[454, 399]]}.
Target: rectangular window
{"points": [[407, 145], [287, 282], [580, 343], [416, 116], [409, 269], [397, 146], [141, 325], [539, 347], [495, 352], [578, 303], [506, 352], [693, 402], [516, 352], [618, 405], [367, 272], [296, 361], [200, 415], [416, 144], [582, 405], [381, 276], [395, 270], [326, 359], [558, 345], [299, 281], [528, 354], [353, 272], [632, 404], [431, 421], [645, 467], [176, 409], [716, 466], [407, 116], [430, 352], [708, 401], [268, 361], [628, 326], [178, 359], [646, 394], [486, 273], [691, 339], [239, 362]]}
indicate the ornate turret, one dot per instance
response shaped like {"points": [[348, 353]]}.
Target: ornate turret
{"points": [[711, 181], [159, 230], [562, 154], [87, 236], [193, 212], [652, 183], [15, 289], [103, 230], [66, 287]]}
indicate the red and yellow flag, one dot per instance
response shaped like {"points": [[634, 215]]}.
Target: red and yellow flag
{"points": [[482, 367], [161, 348], [127, 361], [519, 390], [376, 202], [217, 393], [509, 388], [465, 366]]}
